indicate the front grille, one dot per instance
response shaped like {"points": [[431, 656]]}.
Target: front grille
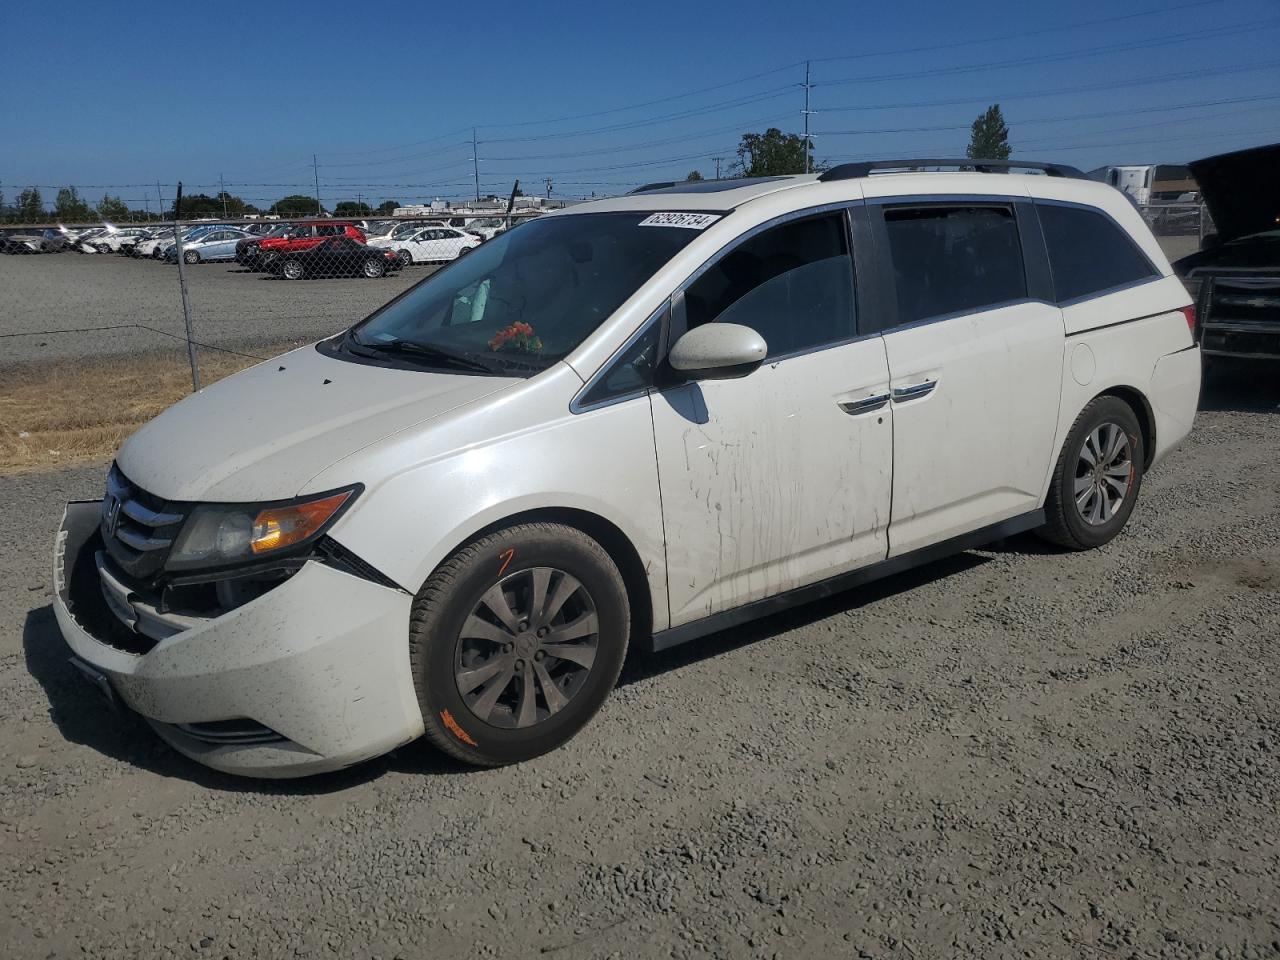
{"points": [[138, 528], [1239, 313]]}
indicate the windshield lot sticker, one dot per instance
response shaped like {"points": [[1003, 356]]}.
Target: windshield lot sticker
{"points": [[690, 221]]}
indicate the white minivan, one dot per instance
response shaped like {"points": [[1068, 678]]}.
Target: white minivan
{"points": [[634, 421]]}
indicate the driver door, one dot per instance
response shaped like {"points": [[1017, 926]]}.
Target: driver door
{"points": [[781, 478]]}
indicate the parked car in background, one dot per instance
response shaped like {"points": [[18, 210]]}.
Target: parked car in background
{"points": [[486, 227], [638, 420], [335, 257], [111, 240], [210, 246], [430, 245], [153, 246], [43, 241], [249, 249], [1235, 277], [190, 234], [303, 237]]}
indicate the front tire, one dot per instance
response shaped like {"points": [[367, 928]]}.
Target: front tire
{"points": [[516, 641], [292, 269], [373, 269], [1097, 478], [191, 256]]}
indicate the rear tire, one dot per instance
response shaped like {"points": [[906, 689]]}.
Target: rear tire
{"points": [[490, 684], [1097, 478]]}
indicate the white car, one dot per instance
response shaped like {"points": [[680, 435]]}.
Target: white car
{"points": [[432, 245], [110, 240], [633, 421], [154, 245]]}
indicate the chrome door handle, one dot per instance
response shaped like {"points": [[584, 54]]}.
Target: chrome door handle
{"points": [[865, 405], [915, 390]]}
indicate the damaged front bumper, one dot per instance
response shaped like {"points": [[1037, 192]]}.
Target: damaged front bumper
{"points": [[311, 676]]}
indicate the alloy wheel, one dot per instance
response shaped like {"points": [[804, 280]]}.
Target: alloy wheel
{"points": [[374, 269], [1104, 473], [292, 270], [527, 647]]}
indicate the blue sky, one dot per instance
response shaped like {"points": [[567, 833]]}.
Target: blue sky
{"points": [[600, 96]]}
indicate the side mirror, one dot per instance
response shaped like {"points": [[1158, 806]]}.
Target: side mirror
{"points": [[718, 351]]}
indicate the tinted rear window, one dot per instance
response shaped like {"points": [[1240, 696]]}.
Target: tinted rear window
{"points": [[954, 259], [1088, 252]]}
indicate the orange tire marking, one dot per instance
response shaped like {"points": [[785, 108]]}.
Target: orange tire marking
{"points": [[506, 556], [451, 725]]}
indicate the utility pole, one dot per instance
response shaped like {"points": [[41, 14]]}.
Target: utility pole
{"points": [[160, 199], [808, 143], [315, 168], [548, 182], [222, 189], [475, 162]]}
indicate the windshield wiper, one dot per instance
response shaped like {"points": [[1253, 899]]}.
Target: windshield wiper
{"points": [[419, 351]]}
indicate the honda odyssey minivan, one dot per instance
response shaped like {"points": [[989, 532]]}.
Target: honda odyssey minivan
{"points": [[631, 422]]}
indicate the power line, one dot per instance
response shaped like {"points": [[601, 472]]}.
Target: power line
{"points": [[1056, 28], [1124, 47], [1060, 91], [1061, 119]]}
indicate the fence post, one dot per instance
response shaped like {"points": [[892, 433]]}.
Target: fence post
{"points": [[182, 285]]}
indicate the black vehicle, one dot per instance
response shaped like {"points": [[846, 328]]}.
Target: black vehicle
{"points": [[336, 257], [1235, 276]]}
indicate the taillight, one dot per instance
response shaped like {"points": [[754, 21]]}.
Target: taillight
{"points": [[1189, 312]]}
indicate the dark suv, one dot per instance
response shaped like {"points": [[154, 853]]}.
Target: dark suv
{"points": [[1235, 276]]}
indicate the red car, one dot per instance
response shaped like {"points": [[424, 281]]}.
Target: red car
{"points": [[305, 236]]}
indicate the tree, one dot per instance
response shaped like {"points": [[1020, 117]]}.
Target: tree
{"points": [[388, 207], [990, 137], [694, 175], [296, 205], [112, 208], [772, 154], [30, 205], [69, 206], [351, 208]]}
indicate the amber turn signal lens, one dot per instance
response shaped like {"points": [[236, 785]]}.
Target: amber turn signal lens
{"points": [[280, 527]]}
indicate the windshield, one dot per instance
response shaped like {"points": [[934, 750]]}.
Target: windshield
{"points": [[527, 298]]}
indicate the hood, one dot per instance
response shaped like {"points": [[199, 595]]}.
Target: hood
{"points": [[1241, 255], [1242, 190], [264, 432]]}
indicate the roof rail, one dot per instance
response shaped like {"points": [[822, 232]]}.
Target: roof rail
{"points": [[864, 168], [660, 185]]}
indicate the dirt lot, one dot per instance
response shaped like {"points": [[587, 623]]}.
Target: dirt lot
{"points": [[99, 299], [1014, 753]]}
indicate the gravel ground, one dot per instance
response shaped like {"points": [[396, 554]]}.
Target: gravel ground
{"points": [[230, 307], [1013, 753]]}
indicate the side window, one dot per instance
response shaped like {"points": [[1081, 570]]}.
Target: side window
{"points": [[793, 284], [630, 371], [1088, 252], [953, 259]]}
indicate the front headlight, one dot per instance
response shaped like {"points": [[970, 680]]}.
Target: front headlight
{"points": [[221, 535]]}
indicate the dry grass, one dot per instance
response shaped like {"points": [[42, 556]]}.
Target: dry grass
{"points": [[80, 411]]}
